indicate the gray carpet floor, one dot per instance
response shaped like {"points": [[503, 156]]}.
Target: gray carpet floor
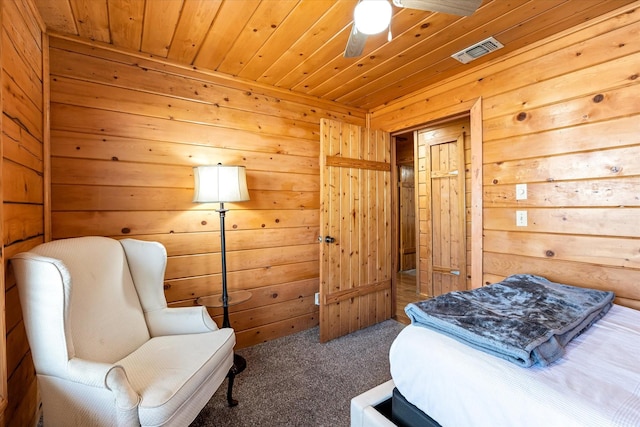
{"points": [[297, 381]]}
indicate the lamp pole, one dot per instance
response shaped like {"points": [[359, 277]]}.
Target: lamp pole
{"points": [[223, 250]]}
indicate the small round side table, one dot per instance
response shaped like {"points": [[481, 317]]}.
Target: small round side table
{"points": [[239, 363], [215, 301]]}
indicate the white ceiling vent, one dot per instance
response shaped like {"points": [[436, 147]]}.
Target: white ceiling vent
{"points": [[477, 50]]}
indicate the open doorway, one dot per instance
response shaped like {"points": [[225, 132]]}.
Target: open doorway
{"points": [[433, 165], [406, 289]]}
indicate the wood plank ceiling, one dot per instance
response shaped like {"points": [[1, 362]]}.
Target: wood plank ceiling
{"points": [[298, 44]]}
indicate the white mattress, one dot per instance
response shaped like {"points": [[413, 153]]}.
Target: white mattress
{"points": [[596, 382]]}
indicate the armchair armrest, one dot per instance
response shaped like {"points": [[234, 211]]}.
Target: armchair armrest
{"points": [[110, 377], [104, 375], [179, 320], [147, 263], [87, 372]]}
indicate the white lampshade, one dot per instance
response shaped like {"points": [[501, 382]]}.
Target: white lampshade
{"points": [[372, 16], [220, 184]]}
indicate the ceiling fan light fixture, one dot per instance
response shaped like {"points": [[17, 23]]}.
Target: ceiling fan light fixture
{"points": [[372, 16]]}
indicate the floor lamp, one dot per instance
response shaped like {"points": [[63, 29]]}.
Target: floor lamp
{"points": [[221, 184]]}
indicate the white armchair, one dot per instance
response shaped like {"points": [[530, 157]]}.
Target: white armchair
{"points": [[107, 350]]}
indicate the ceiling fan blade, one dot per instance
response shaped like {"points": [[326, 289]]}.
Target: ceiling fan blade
{"points": [[356, 42], [453, 7]]}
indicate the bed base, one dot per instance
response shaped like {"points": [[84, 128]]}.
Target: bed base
{"points": [[385, 406]]}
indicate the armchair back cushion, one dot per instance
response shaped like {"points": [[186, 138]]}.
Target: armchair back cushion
{"points": [[102, 286]]}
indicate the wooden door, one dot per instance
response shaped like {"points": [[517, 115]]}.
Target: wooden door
{"points": [[356, 266], [407, 218], [445, 167]]}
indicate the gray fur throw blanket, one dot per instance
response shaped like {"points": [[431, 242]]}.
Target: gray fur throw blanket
{"points": [[525, 319]]}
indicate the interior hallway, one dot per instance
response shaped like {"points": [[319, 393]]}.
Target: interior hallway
{"points": [[405, 293]]}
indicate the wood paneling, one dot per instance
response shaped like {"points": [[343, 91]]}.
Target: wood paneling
{"points": [[126, 132], [3, 280], [298, 45], [562, 117], [405, 199], [22, 186], [407, 218]]}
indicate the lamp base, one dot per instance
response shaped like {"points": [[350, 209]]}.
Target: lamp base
{"points": [[239, 365]]}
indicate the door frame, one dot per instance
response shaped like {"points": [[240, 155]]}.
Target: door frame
{"points": [[473, 109], [395, 205]]}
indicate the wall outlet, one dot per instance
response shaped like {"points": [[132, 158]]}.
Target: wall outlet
{"points": [[317, 298], [521, 191], [521, 218]]}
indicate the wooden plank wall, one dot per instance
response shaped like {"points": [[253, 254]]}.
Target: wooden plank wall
{"points": [[23, 187], [407, 220], [407, 204], [125, 134], [563, 117]]}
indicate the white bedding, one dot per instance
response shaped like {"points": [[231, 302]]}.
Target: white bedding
{"points": [[596, 383]]}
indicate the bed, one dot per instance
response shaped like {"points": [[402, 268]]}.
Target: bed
{"points": [[440, 380]]}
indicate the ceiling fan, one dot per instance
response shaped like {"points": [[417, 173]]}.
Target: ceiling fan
{"points": [[374, 16]]}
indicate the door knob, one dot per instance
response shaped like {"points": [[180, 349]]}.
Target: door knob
{"points": [[329, 239]]}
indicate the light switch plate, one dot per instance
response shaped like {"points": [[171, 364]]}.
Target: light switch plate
{"points": [[521, 218], [521, 191]]}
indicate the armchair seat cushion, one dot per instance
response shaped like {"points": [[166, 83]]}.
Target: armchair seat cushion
{"points": [[168, 371]]}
